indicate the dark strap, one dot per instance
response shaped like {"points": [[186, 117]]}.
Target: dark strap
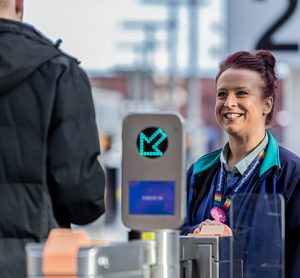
{"points": [[203, 182]]}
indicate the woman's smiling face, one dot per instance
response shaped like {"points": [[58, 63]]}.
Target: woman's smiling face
{"points": [[240, 108]]}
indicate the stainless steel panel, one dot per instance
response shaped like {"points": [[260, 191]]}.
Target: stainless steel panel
{"points": [[205, 257]]}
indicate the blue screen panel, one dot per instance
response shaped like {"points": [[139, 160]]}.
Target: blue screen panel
{"points": [[152, 197]]}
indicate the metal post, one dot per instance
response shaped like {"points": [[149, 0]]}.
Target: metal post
{"points": [[167, 253]]}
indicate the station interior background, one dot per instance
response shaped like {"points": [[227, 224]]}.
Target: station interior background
{"points": [[147, 56]]}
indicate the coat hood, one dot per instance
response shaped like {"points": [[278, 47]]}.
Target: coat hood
{"points": [[22, 50]]}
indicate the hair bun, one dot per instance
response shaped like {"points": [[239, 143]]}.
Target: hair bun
{"points": [[267, 57]]}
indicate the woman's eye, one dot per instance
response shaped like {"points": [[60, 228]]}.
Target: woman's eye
{"points": [[241, 93], [221, 94]]}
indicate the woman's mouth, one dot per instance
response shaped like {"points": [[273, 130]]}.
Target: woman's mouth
{"points": [[232, 116]]}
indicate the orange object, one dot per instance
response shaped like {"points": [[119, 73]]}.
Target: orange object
{"points": [[60, 252], [214, 230]]}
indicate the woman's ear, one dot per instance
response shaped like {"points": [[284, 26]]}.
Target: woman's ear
{"points": [[268, 104], [19, 9]]}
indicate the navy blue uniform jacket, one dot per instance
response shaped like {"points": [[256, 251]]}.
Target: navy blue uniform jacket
{"points": [[280, 170]]}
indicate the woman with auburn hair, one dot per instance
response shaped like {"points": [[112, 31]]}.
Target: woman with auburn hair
{"points": [[251, 162]]}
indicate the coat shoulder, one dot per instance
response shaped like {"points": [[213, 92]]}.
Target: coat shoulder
{"points": [[290, 170]]}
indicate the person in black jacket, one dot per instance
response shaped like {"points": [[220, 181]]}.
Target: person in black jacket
{"points": [[49, 145]]}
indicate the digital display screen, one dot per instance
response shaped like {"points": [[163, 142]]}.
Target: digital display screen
{"points": [[152, 197], [152, 142]]}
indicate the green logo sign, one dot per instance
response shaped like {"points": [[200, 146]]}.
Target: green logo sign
{"points": [[152, 142]]}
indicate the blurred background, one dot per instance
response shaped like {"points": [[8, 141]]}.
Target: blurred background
{"points": [[162, 55]]}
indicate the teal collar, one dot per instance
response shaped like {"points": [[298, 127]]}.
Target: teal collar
{"points": [[272, 155], [206, 161], [271, 159]]}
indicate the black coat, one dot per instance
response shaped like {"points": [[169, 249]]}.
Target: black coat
{"points": [[49, 147]]}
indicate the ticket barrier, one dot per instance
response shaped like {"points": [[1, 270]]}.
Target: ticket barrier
{"points": [[255, 250], [132, 259], [257, 223], [200, 256], [205, 256]]}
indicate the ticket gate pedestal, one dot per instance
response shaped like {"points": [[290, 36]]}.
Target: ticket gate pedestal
{"points": [[205, 257], [153, 182]]}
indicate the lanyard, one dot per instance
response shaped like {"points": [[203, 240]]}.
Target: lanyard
{"points": [[239, 184]]}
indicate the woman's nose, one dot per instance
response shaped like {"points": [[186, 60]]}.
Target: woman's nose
{"points": [[230, 101]]}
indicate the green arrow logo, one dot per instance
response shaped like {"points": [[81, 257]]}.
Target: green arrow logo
{"points": [[155, 139]]}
